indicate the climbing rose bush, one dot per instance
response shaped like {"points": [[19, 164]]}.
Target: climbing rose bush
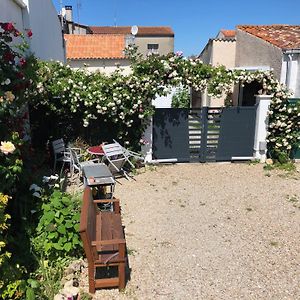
{"points": [[17, 72], [124, 100]]}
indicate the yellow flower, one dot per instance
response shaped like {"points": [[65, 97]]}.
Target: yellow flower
{"points": [[9, 96], [7, 147]]}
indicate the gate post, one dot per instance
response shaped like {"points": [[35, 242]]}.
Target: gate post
{"points": [[204, 124], [148, 138], [261, 127]]}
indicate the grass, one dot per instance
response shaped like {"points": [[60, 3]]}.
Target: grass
{"points": [[287, 167], [286, 170]]}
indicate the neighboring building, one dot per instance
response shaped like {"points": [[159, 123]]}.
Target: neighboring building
{"points": [[102, 47], [97, 52], [40, 16], [157, 40], [263, 47], [218, 51], [275, 47]]}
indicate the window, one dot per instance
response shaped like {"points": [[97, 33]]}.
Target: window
{"points": [[152, 48]]}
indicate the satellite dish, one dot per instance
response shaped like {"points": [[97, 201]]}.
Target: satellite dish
{"points": [[134, 30]]}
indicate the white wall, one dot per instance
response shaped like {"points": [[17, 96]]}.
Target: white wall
{"points": [[10, 11], [106, 66], [47, 39], [164, 101], [41, 17], [290, 73]]}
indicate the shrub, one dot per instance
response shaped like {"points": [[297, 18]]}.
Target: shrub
{"points": [[57, 233], [181, 99]]}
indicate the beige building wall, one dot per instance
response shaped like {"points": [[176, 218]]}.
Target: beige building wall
{"points": [[255, 52], [106, 66], [223, 53], [166, 44]]}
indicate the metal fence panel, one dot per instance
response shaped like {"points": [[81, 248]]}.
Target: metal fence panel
{"points": [[237, 130], [170, 134]]}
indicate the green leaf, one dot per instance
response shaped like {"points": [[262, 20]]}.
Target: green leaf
{"points": [[69, 224], [30, 294], [68, 246], [65, 200], [48, 246], [65, 211], [57, 246], [33, 283], [76, 227], [56, 203], [52, 235], [61, 229], [75, 240], [49, 216]]}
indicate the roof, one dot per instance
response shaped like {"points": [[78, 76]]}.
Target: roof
{"points": [[228, 33], [89, 46], [282, 36], [142, 30]]}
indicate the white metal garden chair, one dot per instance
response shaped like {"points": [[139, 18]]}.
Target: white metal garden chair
{"points": [[129, 153], [116, 159]]}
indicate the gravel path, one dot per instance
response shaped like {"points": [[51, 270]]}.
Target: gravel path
{"points": [[211, 231]]}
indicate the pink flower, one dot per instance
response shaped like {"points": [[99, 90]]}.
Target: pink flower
{"points": [[29, 33], [22, 62], [8, 27], [179, 53]]}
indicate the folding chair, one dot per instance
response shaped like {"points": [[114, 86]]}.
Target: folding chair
{"points": [[116, 158], [128, 153], [77, 164], [61, 153]]}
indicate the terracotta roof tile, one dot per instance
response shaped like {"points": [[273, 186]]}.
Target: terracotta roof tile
{"points": [[94, 46], [143, 30], [228, 33], [282, 36]]}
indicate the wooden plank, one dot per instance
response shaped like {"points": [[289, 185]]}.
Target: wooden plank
{"points": [[107, 282]]}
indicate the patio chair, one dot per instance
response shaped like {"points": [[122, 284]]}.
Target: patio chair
{"points": [[116, 159], [77, 163], [60, 153], [128, 153]]}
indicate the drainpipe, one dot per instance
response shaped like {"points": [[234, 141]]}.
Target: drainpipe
{"points": [[288, 70]]}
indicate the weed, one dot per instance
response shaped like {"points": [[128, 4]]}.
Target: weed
{"points": [[273, 243], [254, 162], [292, 198], [131, 251], [85, 296]]}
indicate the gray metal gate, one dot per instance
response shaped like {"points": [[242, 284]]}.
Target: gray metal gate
{"points": [[206, 134]]}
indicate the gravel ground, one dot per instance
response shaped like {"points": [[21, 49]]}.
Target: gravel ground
{"points": [[211, 231]]}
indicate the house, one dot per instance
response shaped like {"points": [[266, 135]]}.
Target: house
{"points": [[154, 39], [40, 17], [275, 47], [218, 51], [258, 47], [97, 52], [102, 47]]}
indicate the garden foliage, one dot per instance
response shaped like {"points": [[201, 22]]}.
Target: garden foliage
{"points": [[121, 103]]}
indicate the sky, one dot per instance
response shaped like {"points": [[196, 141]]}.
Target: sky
{"points": [[193, 22]]}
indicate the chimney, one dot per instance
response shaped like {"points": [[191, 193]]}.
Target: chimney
{"points": [[69, 13]]}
